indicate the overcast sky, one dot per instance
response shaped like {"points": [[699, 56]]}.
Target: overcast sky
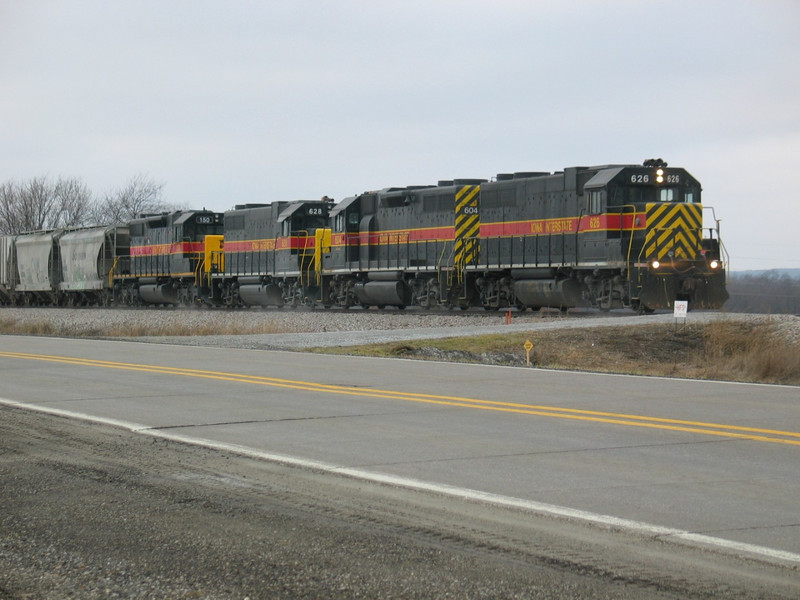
{"points": [[232, 101]]}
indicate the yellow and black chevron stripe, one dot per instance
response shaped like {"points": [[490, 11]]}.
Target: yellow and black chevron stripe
{"points": [[674, 231], [468, 224]]}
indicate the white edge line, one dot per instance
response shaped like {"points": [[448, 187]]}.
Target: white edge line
{"points": [[554, 510]]}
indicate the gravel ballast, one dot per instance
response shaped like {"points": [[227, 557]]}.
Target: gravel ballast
{"points": [[296, 329]]}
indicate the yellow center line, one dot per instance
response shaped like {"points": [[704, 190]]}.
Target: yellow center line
{"points": [[714, 429]]}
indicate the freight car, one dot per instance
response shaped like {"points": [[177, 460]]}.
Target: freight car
{"points": [[61, 267]]}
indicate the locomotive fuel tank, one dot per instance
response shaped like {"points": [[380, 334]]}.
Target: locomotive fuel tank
{"points": [[155, 293], [256, 293], [383, 293], [564, 293]]}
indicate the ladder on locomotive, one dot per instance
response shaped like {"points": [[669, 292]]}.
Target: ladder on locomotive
{"points": [[452, 271]]}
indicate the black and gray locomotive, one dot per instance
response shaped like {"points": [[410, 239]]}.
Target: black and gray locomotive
{"points": [[609, 236], [168, 257]]}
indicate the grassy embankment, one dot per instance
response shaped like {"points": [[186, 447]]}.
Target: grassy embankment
{"points": [[721, 350], [730, 350]]}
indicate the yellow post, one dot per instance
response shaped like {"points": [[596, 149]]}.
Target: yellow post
{"points": [[111, 273], [528, 347]]}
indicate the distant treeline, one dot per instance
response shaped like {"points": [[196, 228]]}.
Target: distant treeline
{"points": [[767, 292]]}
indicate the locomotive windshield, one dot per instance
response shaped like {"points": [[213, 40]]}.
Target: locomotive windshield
{"points": [[644, 195], [642, 188]]}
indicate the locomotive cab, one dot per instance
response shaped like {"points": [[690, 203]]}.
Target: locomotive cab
{"points": [[345, 218], [304, 240], [668, 254], [297, 225]]}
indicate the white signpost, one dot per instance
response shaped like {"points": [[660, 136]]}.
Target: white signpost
{"points": [[681, 310]]}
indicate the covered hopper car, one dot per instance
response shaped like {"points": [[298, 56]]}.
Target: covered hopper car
{"points": [[62, 267]]}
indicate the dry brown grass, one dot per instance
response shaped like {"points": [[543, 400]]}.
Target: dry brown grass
{"points": [[752, 351], [14, 327], [144, 330], [139, 329], [721, 350]]}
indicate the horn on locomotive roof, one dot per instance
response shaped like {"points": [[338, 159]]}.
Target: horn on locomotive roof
{"points": [[655, 162]]}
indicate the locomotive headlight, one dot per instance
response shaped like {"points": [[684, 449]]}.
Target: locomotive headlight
{"points": [[714, 264], [655, 264], [660, 176]]}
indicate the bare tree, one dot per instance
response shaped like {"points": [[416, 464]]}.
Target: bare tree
{"points": [[75, 202], [39, 204], [140, 195], [9, 218]]}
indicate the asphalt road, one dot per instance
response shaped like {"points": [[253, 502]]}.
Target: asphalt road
{"points": [[672, 473]]}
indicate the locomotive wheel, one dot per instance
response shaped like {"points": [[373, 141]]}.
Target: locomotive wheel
{"points": [[641, 309]]}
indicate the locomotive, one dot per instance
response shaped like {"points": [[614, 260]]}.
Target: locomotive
{"points": [[608, 236], [167, 257]]}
